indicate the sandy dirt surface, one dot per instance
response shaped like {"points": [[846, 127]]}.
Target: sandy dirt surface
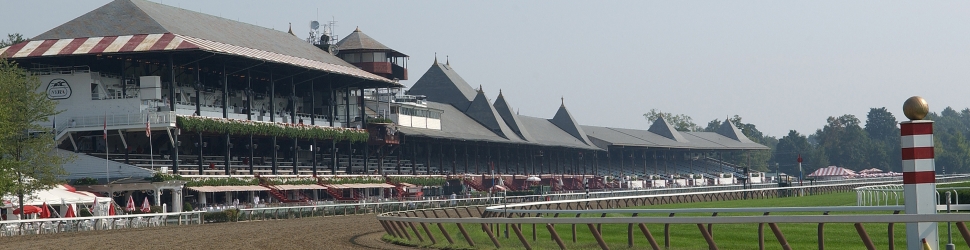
{"points": [[342, 232]]}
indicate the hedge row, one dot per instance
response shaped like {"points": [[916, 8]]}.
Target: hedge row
{"points": [[244, 127]]}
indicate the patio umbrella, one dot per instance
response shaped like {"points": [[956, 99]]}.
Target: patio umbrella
{"points": [[111, 208], [130, 206], [533, 178], [94, 207], [145, 207], [70, 212], [28, 209], [44, 211]]}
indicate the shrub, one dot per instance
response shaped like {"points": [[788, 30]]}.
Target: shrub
{"points": [[187, 207], [231, 214]]}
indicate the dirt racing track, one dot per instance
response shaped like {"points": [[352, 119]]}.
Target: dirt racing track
{"points": [[341, 232]]}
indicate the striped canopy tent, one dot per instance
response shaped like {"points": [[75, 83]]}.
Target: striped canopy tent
{"points": [[832, 172], [870, 171]]}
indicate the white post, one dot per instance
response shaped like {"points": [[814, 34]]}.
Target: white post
{"points": [[919, 181]]}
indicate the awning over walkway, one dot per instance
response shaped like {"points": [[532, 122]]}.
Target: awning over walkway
{"points": [[215, 189], [363, 185], [300, 187]]}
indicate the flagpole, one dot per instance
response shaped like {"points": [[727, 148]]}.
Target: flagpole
{"points": [[107, 153], [148, 128]]}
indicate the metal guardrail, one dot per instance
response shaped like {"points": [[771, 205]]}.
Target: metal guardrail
{"points": [[396, 224], [889, 194], [119, 120], [92, 223]]}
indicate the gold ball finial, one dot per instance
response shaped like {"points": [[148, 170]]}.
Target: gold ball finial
{"points": [[915, 108]]}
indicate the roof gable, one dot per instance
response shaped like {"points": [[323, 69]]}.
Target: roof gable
{"points": [[135, 17], [483, 112], [116, 18], [442, 84], [662, 128], [357, 40], [728, 130], [511, 119], [565, 121]]}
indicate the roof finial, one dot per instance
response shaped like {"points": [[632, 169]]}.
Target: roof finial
{"points": [[447, 62], [563, 100], [480, 89], [499, 91], [357, 29], [436, 58], [291, 30]]}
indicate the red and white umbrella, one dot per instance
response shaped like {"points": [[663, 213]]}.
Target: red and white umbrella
{"points": [[70, 212], [145, 207], [131, 204], [44, 211]]}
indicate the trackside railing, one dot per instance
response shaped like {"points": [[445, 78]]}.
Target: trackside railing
{"points": [[95, 223], [569, 211]]}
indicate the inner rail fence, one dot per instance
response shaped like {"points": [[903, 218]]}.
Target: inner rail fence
{"points": [[593, 213]]}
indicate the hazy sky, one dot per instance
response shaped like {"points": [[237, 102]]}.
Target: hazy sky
{"points": [[780, 65]]}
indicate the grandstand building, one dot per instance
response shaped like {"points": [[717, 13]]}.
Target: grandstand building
{"points": [[132, 64]]}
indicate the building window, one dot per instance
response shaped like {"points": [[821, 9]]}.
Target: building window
{"points": [[352, 58]]}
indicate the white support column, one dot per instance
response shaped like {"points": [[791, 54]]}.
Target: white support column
{"points": [[919, 181]]}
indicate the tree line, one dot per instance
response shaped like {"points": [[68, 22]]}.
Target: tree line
{"points": [[844, 141], [27, 163]]}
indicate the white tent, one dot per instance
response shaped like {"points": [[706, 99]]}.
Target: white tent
{"points": [[53, 196]]}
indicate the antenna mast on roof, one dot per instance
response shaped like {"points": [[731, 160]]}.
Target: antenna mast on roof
{"points": [[324, 39]]}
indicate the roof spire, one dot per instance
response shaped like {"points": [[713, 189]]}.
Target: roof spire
{"points": [[436, 58], [291, 30], [563, 100], [447, 61], [480, 89]]}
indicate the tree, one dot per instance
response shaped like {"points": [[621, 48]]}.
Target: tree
{"points": [[680, 122], [12, 39], [881, 125], [26, 162]]}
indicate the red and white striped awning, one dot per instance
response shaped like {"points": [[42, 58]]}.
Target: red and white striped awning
{"points": [[832, 171], [167, 42], [97, 45]]}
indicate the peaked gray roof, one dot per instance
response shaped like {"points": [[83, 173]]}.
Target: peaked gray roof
{"points": [[548, 134], [360, 41], [442, 84], [483, 112], [565, 121], [607, 136], [505, 110], [728, 130], [139, 17], [456, 125], [661, 127]]}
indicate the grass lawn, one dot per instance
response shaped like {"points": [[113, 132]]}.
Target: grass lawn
{"points": [[687, 237]]}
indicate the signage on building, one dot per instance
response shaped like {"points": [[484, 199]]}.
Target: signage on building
{"points": [[58, 89]]}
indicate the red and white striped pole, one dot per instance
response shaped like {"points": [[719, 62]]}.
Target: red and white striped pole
{"points": [[919, 172]]}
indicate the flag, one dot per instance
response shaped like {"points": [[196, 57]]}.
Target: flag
{"points": [[106, 128], [148, 126], [145, 207], [130, 206]]}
